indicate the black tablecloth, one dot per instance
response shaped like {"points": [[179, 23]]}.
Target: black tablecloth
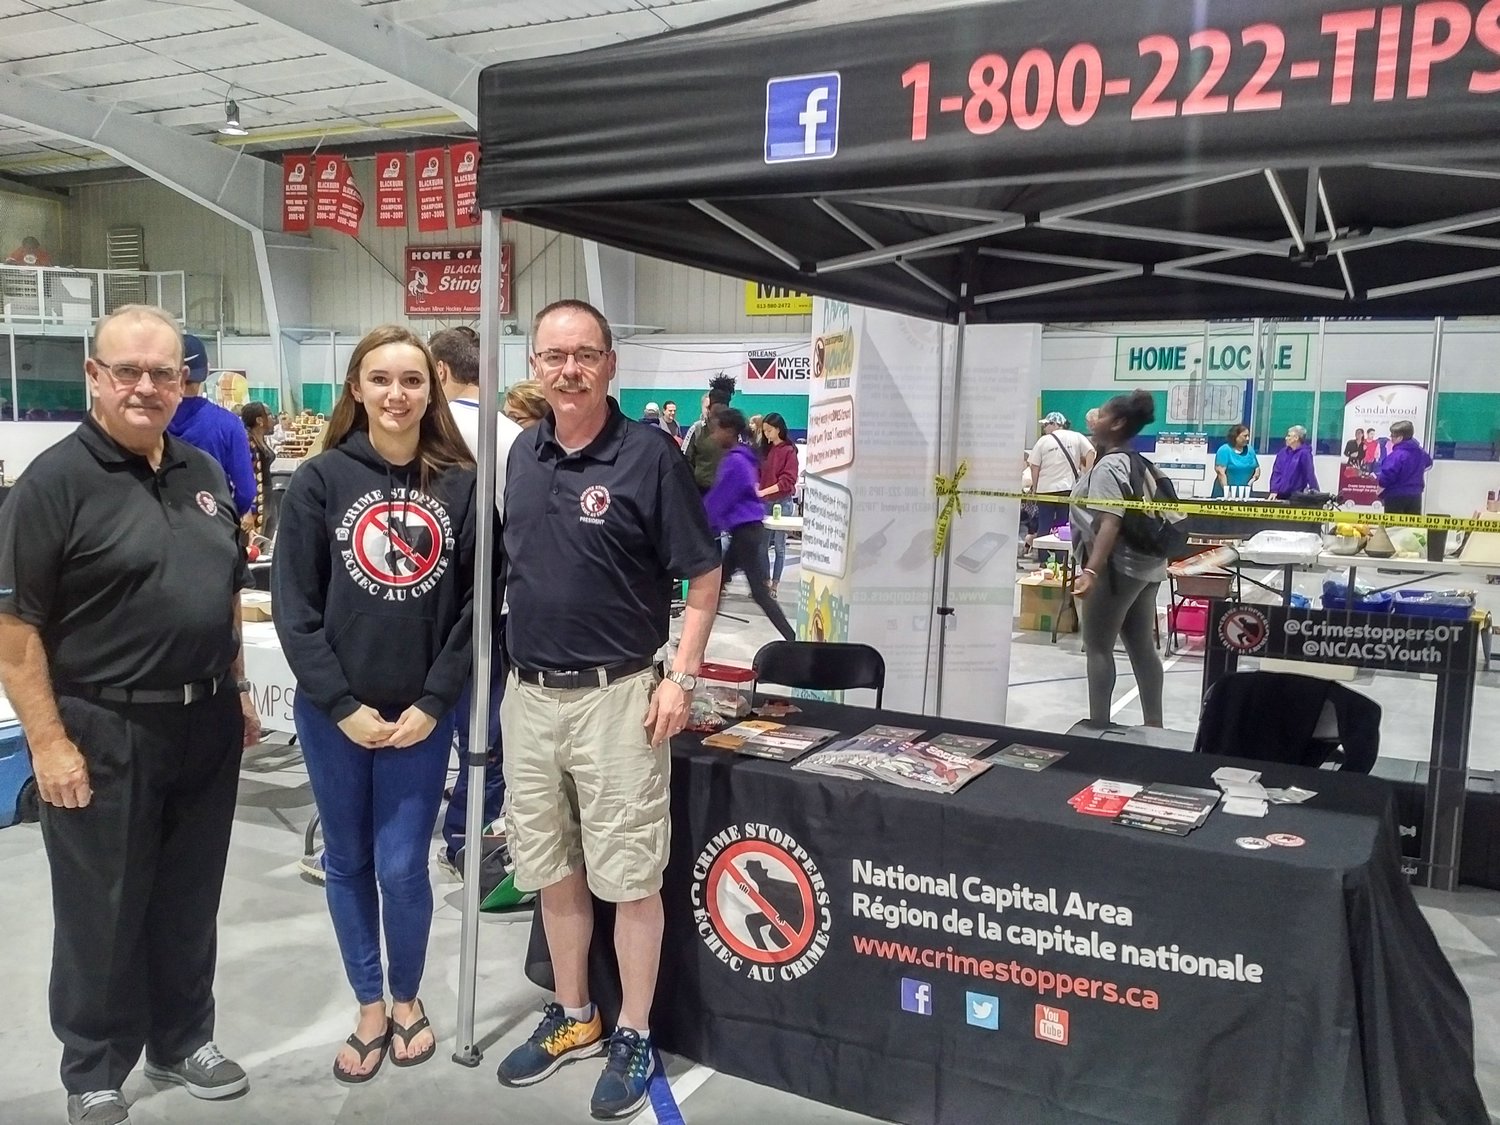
{"points": [[770, 971]]}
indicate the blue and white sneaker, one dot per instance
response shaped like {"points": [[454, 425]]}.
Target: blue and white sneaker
{"points": [[312, 867], [623, 1087]]}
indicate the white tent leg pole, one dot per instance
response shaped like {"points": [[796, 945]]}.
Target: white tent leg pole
{"points": [[465, 1050], [944, 610]]}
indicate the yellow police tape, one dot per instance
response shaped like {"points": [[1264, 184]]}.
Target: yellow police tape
{"points": [[951, 495]]}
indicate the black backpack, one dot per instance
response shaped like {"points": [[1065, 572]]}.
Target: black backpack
{"points": [[1163, 534]]}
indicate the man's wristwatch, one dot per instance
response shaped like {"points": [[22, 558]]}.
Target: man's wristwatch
{"points": [[242, 686], [686, 682]]}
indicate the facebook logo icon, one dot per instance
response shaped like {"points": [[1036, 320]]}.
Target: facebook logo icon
{"points": [[802, 118], [916, 996]]}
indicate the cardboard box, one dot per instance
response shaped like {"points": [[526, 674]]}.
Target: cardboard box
{"points": [[255, 605], [1039, 601]]}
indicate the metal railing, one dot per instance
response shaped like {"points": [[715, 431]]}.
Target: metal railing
{"points": [[62, 295]]}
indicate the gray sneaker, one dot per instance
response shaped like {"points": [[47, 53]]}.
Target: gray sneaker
{"points": [[97, 1107], [206, 1073]]}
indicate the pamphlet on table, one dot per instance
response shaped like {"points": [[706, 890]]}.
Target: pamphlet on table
{"points": [[912, 765]]}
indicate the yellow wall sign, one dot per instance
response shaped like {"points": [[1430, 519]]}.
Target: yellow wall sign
{"points": [[775, 300]]}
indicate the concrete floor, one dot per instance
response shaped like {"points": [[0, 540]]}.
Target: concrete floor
{"points": [[284, 1005]]}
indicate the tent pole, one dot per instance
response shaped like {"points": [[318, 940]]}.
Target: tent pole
{"points": [[465, 1051], [944, 610]]}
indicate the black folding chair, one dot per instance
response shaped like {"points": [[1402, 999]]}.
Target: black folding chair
{"points": [[1292, 719], [821, 666]]}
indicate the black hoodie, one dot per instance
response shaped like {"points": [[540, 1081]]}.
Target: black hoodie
{"points": [[365, 616]]}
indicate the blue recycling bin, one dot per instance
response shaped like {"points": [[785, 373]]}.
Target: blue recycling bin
{"points": [[17, 799]]}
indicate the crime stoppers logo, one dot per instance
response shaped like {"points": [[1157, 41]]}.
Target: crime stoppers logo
{"points": [[207, 502], [593, 501], [760, 903], [1244, 629], [398, 546]]}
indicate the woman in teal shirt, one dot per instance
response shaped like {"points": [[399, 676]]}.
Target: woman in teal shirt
{"points": [[1235, 465]]}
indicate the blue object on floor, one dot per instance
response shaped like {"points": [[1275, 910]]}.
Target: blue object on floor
{"points": [[15, 775], [660, 1090]]}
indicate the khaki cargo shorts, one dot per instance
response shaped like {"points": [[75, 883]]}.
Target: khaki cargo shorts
{"points": [[586, 788]]}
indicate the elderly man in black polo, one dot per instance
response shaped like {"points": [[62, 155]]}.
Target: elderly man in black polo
{"points": [[599, 512], [120, 571]]}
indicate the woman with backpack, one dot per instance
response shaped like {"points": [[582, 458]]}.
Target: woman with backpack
{"points": [[1118, 577]]}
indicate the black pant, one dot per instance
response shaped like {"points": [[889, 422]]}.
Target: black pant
{"points": [[1402, 505], [747, 552], [136, 878]]}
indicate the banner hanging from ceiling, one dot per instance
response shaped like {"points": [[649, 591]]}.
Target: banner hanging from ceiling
{"points": [[351, 207], [465, 160], [296, 194], [327, 188], [444, 280], [390, 188], [432, 189]]}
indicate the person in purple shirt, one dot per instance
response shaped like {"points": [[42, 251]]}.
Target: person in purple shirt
{"points": [[1402, 475], [1293, 470], [206, 425], [734, 506]]}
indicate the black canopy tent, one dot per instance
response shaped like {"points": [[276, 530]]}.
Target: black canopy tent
{"points": [[1144, 161], [1018, 161]]}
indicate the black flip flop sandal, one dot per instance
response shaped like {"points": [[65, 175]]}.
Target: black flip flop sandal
{"points": [[406, 1034], [380, 1043]]}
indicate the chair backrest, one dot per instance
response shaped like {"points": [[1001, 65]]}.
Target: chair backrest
{"points": [[821, 666], [1275, 717]]}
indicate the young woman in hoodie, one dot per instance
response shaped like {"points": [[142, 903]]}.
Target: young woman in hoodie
{"points": [[372, 582], [734, 505], [778, 485]]}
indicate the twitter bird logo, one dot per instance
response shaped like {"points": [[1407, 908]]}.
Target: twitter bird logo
{"points": [[982, 1010]]}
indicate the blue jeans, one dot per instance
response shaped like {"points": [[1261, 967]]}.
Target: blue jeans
{"points": [[454, 820], [778, 538], [377, 808]]}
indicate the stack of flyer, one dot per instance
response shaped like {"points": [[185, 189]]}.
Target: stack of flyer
{"points": [[1243, 793], [1173, 809], [760, 738], [897, 760]]}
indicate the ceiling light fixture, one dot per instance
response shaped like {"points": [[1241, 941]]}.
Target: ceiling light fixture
{"points": [[232, 126]]}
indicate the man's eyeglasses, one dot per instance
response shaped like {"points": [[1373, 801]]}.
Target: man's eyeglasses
{"points": [[555, 359], [127, 375]]}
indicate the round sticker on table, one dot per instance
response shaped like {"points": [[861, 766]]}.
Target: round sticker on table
{"points": [[1252, 843], [1285, 840]]}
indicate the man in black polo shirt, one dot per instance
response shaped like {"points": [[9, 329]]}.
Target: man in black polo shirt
{"points": [[120, 572], [599, 511]]}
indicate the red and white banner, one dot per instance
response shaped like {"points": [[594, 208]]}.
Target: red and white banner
{"points": [[465, 160], [390, 188], [444, 280], [296, 194], [327, 188], [432, 189], [351, 206]]}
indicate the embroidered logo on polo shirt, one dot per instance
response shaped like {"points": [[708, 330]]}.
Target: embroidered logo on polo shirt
{"points": [[396, 547], [594, 502], [207, 502]]}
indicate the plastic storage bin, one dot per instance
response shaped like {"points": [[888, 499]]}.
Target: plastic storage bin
{"points": [[1335, 597], [17, 800], [724, 691], [1188, 617], [1431, 603]]}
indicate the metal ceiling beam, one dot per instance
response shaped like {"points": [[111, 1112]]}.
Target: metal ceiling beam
{"points": [[754, 237], [1333, 230], [1059, 286], [1052, 259], [1277, 249], [932, 210], [1405, 287], [1320, 291], [1418, 230], [1141, 194], [874, 243], [1285, 206], [932, 242], [351, 32], [1468, 241]]}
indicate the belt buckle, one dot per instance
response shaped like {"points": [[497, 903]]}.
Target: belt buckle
{"points": [[187, 694]]}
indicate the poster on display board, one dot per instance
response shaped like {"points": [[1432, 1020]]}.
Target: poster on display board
{"points": [[1370, 409], [444, 280], [776, 300]]}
